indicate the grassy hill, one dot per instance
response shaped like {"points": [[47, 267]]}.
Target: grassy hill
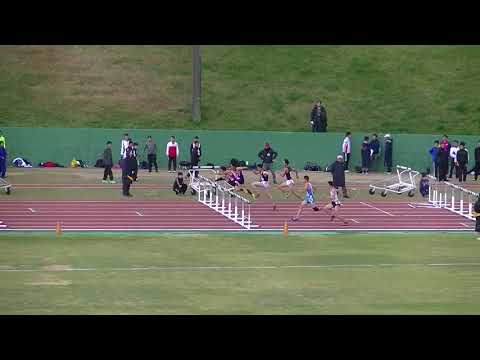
{"points": [[365, 88]]}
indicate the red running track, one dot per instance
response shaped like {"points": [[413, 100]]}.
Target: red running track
{"points": [[173, 216]]}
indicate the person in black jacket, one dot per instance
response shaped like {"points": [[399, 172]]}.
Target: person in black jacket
{"points": [[388, 153], [268, 156], [315, 116], [108, 163], [442, 159], [462, 161], [476, 168], [195, 154], [338, 173], [179, 187], [323, 117], [366, 154], [127, 169], [375, 146]]}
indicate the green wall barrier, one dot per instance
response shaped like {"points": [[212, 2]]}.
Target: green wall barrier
{"points": [[219, 147]]}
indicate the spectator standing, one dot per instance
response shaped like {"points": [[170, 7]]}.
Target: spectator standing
{"points": [[434, 154], [151, 150], [2, 139], [124, 146], [476, 168], [453, 158], [338, 173], [108, 163], [127, 169], [195, 154], [366, 155], [315, 116], [134, 160], [172, 153], [195, 139], [3, 160], [388, 153], [446, 143], [375, 146], [347, 149], [268, 156], [323, 117], [442, 160], [462, 161]]}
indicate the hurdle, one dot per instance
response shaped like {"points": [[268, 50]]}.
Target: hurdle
{"points": [[445, 195], [219, 196]]}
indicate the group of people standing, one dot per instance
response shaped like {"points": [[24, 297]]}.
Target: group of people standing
{"points": [[129, 161], [370, 151], [448, 158]]}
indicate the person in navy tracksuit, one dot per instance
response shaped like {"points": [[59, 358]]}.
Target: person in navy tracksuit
{"points": [[366, 154], [3, 160]]}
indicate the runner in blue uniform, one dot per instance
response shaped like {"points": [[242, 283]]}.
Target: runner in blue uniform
{"points": [[308, 200]]}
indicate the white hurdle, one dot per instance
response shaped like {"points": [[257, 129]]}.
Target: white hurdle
{"points": [[222, 199], [452, 197]]}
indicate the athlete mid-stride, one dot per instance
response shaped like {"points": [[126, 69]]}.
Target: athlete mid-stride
{"points": [[308, 200], [333, 207], [263, 184], [288, 184]]}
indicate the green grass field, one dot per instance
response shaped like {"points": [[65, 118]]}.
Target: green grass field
{"points": [[239, 274], [420, 89]]}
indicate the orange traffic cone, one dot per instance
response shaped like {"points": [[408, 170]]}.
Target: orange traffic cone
{"points": [[285, 228], [58, 229]]}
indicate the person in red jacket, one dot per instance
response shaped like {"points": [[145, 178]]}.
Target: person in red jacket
{"points": [[172, 154]]}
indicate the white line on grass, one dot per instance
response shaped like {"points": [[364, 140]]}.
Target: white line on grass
{"points": [[228, 268], [373, 207]]}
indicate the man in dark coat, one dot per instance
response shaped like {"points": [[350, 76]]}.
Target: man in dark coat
{"points": [[323, 117], [195, 154], [268, 155], [338, 173], [375, 146], [315, 115], [462, 161], [127, 169], [388, 152], [442, 159], [476, 168]]}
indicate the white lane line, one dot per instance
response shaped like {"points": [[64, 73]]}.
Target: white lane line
{"points": [[31, 210], [412, 206], [355, 221], [138, 213], [468, 226], [373, 207], [229, 268]]}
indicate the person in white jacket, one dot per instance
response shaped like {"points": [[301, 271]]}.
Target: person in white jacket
{"points": [[172, 153], [347, 149], [453, 159]]}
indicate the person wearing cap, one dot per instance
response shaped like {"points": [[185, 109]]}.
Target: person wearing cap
{"points": [[338, 173], [268, 155], [388, 152]]}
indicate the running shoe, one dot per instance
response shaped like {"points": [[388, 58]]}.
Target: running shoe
{"points": [[112, 182], [104, 182]]}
